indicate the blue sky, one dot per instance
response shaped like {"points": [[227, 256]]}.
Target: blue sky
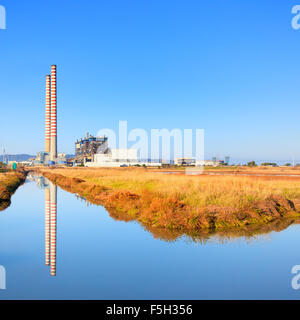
{"points": [[229, 67]]}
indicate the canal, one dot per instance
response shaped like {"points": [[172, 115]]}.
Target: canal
{"points": [[92, 256]]}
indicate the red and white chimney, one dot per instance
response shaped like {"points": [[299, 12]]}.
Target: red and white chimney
{"points": [[48, 114], [53, 147]]}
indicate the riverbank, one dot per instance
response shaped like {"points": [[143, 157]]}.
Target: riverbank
{"points": [[185, 204], [9, 182]]}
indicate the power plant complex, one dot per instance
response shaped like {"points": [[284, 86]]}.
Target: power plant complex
{"points": [[90, 151]]}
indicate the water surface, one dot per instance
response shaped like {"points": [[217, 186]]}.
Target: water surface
{"points": [[98, 257]]}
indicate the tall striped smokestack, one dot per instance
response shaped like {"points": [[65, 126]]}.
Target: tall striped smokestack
{"points": [[53, 203], [48, 112], [47, 226], [53, 149]]}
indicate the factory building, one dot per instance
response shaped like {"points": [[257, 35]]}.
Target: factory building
{"points": [[227, 160], [210, 163], [192, 162], [94, 152], [185, 162], [87, 147], [114, 158], [124, 155]]}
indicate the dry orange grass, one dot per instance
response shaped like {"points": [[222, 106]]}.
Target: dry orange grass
{"points": [[186, 204], [9, 182], [233, 191]]}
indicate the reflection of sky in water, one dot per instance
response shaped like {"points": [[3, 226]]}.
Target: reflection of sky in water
{"points": [[100, 258]]}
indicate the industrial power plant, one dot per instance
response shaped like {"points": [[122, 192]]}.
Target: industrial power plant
{"points": [[90, 151]]}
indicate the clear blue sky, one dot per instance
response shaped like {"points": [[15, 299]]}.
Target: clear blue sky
{"points": [[229, 67]]}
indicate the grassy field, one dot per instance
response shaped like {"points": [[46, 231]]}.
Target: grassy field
{"points": [[9, 182], [187, 204], [243, 170]]}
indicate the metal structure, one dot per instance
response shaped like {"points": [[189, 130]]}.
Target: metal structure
{"points": [[87, 147]]}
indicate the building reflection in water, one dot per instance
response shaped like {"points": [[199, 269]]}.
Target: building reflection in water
{"points": [[50, 221]]}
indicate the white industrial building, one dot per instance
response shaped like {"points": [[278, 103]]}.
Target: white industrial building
{"points": [[117, 158], [185, 161], [197, 163], [124, 155], [210, 163]]}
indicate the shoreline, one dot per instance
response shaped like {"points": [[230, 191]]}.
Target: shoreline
{"points": [[169, 216]]}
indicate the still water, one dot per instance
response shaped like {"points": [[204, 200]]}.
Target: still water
{"points": [[92, 256]]}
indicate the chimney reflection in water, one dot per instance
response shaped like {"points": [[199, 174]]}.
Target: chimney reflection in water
{"points": [[47, 226], [50, 223], [53, 213]]}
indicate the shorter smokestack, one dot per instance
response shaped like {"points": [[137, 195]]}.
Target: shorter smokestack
{"points": [[48, 114]]}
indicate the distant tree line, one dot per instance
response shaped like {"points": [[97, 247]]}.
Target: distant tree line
{"points": [[268, 164], [251, 164], [271, 164]]}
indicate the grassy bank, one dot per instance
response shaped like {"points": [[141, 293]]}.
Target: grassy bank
{"points": [[185, 204], [241, 170], [9, 182]]}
